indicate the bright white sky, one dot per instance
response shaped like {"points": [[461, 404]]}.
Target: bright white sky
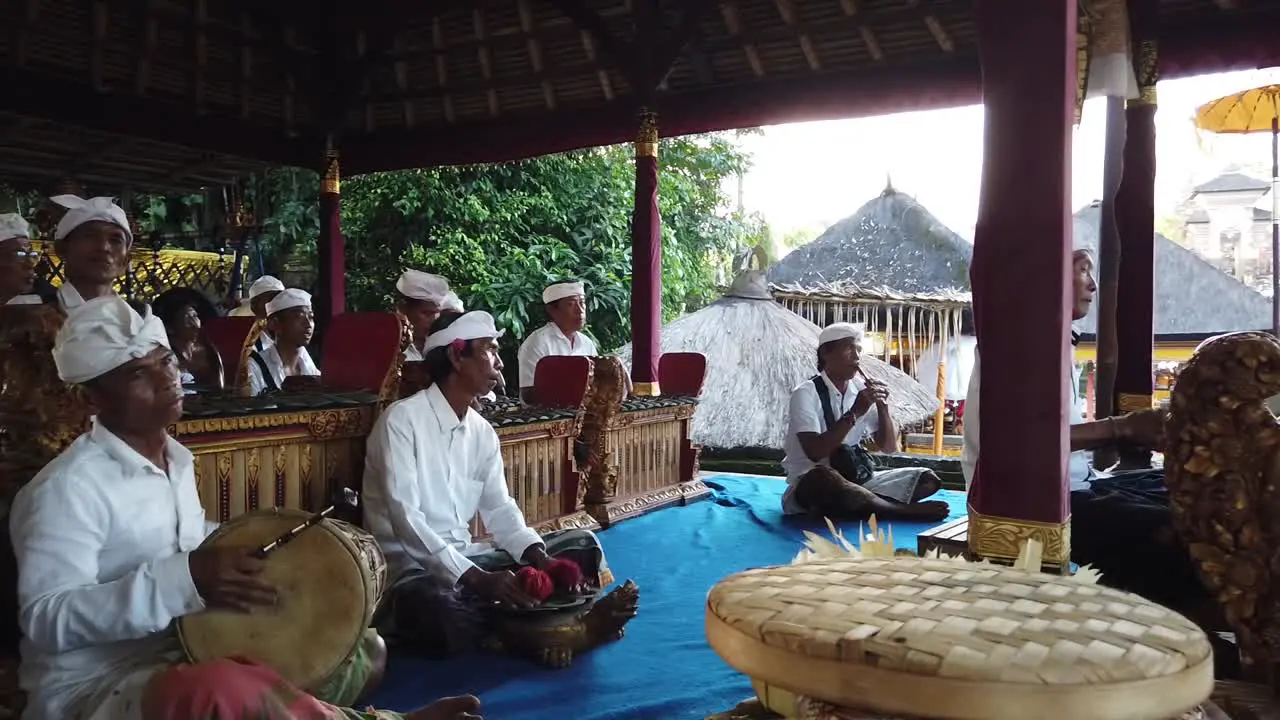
{"points": [[810, 175]]}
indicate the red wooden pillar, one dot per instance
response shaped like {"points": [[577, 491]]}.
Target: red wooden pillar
{"points": [[331, 251], [1020, 274], [1135, 218], [646, 263]]}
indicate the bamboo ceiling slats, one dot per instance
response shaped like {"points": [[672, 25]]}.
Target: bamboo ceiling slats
{"points": [[272, 80]]}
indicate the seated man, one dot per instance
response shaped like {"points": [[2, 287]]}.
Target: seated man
{"points": [[1120, 523], [420, 297], [17, 262], [291, 323], [566, 305], [108, 543], [432, 463], [262, 291], [829, 474]]}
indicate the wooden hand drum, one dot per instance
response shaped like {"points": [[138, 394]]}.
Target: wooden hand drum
{"points": [[914, 637], [329, 580]]}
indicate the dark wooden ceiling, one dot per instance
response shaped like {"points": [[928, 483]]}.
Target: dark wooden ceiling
{"points": [[178, 94]]}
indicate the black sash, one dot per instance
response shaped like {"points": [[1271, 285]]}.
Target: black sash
{"points": [[854, 463], [267, 377]]}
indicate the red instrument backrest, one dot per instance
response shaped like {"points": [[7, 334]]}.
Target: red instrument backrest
{"points": [[561, 381], [359, 350], [227, 336], [682, 373]]}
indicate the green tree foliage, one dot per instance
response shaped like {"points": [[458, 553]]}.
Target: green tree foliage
{"points": [[501, 233]]}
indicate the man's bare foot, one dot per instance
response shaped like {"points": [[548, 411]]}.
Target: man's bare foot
{"points": [[463, 707], [926, 511]]}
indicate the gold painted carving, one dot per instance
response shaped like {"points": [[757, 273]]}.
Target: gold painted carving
{"points": [[646, 389], [1146, 63], [1133, 402], [647, 137], [598, 477], [318, 424], [332, 182], [1000, 538]]}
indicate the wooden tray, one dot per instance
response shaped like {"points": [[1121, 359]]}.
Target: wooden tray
{"points": [[946, 639]]}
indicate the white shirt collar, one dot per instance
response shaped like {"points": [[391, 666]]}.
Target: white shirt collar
{"points": [[130, 459], [69, 297], [443, 411]]}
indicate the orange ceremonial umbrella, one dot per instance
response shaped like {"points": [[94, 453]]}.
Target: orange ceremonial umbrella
{"points": [[1251, 111]]}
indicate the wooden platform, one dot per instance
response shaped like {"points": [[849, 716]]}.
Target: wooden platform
{"points": [[950, 538]]}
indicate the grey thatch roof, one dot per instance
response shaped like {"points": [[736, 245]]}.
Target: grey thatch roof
{"points": [[1231, 182], [1192, 296], [757, 353], [891, 242]]}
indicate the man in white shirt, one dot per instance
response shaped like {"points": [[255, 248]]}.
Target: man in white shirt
{"points": [[432, 463], [291, 323], [262, 291], [17, 262], [829, 473], [567, 307], [93, 240], [1120, 522], [420, 298], [108, 543]]}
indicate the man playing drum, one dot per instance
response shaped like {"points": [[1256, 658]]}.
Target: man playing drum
{"points": [[108, 543], [432, 464]]}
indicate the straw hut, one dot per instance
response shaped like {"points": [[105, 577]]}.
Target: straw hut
{"points": [[891, 242], [1193, 298], [757, 353]]}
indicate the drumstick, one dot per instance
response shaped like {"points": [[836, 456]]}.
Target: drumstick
{"points": [[288, 537], [349, 497]]}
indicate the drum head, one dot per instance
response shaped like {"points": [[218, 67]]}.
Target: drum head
{"points": [[324, 602]]}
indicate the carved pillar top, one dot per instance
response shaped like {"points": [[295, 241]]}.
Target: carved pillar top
{"points": [[647, 137], [332, 180]]}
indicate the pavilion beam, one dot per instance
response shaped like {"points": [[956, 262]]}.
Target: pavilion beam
{"points": [[1135, 218], [1020, 275], [1109, 262], [30, 94]]}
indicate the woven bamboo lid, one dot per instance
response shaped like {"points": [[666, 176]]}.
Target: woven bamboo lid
{"points": [[962, 641]]}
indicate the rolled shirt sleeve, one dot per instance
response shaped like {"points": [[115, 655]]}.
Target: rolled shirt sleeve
{"points": [[531, 351], [805, 412], [59, 530]]}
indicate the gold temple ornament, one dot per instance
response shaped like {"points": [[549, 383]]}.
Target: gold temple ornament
{"points": [[647, 137]]}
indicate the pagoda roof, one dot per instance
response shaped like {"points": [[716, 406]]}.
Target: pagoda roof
{"points": [[177, 94]]}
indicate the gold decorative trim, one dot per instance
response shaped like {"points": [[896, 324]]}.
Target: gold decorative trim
{"points": [[646, 389], [682, 494], [332, 182], [577, 521], [1000, 538], [1147, 68], [314, 424], [536, 430], [1134, 402], [647, 137]]}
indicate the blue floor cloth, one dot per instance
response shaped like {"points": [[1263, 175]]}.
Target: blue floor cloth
{"points": [[663, 669]]}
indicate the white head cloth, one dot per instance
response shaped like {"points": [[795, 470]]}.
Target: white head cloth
{"points": [[265, 284], [559, 291], [103, 334], [418, 285], [452, 302], [474, 325], [12, 226], [1081, 238], [81, 211], [287, 300], [840, 331]]}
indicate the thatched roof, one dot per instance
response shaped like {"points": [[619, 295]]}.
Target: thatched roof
{"points": [[892, 242], [850, 291], [1192, 296], [757, 353]]}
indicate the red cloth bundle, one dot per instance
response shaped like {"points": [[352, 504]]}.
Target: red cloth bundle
{"points": [[565, 573], [536, 583]]}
